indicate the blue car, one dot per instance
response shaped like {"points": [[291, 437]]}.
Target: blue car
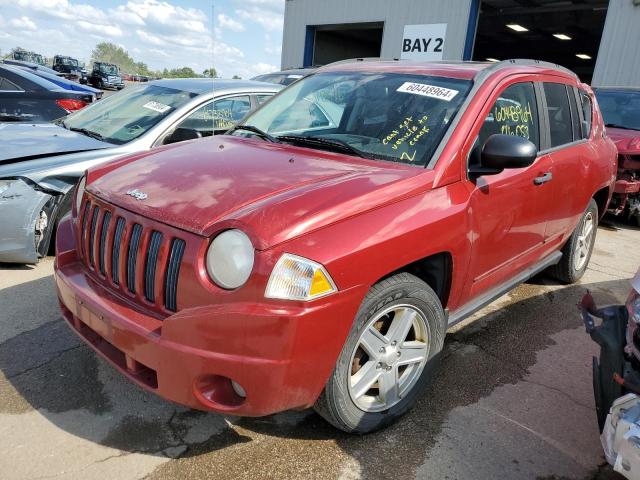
{"points": [[69, 84], [30, 65]]}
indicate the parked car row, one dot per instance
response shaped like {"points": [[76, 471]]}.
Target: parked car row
{"points": [[25, 56], [103, 75]]}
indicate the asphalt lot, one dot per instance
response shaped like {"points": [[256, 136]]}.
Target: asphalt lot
{"points": [[512, 400]]}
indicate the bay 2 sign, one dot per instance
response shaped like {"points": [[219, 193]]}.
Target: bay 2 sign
{"points": [[424, 42]]}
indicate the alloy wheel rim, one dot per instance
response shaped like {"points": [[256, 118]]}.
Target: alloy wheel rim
{"points": [[389, 357], [585, 239]]}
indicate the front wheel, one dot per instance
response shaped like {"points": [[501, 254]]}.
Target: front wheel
{"points": [[577, 251], [388, 358]]}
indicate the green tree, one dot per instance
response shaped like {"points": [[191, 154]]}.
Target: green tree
{"points": [[183, 72], [111, 53], [210, 73]]}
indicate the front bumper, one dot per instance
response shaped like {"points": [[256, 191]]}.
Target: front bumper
{"points": [[20, 208], [113, 85], [281, 355]]}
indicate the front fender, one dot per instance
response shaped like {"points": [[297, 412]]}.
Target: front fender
{"points": [[20, 207]]}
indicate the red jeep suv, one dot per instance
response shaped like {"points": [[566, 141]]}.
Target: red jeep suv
{"points": [[317, 253]]}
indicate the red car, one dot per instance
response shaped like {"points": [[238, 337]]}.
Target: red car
{"points": [[317, 253], [621, 111]]}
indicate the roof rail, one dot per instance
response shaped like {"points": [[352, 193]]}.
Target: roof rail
{"points": [[492, 68], [363, 59], [527, 62]]}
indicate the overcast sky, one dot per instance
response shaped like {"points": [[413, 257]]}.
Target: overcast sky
{"points": [[173, 33]]}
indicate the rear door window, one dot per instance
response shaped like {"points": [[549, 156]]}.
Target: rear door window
{"points": [[515, 112], [587, 114], [575, 116], [260, 99], [559, 114]]}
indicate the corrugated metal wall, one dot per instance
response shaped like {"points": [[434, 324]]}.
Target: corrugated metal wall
{"points": [[618, 62], [395, 14]]}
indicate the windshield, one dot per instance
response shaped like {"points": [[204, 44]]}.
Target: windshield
{"points": [[69, 61], [124, 116], [39, 59], [23, 56], [386, 116], [620, 109], [109, 69]]}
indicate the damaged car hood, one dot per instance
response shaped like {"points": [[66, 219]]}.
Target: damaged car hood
{"points": [[21, 141], [274, 190], [50, 156], [627, 141]]}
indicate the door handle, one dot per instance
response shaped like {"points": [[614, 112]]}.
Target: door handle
{"points": [[547, 177]]}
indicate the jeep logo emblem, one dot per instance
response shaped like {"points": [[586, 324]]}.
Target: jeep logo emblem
{"points": [[137, 194]]}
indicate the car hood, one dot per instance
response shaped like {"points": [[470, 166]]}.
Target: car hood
{"points": [[273, 191], [23, 141], [627, 141]]}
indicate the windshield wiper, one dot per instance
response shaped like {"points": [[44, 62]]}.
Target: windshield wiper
{"points": [[335, 145], [615, 125], [88, 133], [256, 130]]}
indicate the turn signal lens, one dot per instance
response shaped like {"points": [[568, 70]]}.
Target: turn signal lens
{"points": [[80, 193], [298, 278]]}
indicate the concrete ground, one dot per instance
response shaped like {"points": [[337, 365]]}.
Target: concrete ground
{"points": [[512, 400]]}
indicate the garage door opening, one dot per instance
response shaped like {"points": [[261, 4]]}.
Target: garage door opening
{"points": [[564, 32], [331, 43]]}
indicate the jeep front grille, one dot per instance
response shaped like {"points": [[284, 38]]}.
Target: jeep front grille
{"points": [[133, 259]]}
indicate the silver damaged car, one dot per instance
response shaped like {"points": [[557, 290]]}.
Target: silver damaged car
{"points": [[40, 163]]}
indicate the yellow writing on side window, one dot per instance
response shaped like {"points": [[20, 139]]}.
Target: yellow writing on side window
{"points": [[516, 130], [513, 113]]}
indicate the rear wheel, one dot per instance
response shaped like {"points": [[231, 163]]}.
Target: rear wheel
{"points": [[388, 358], [577, 251]]}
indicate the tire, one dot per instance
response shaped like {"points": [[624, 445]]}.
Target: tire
{"points": [[575, 253], [407, 300]]}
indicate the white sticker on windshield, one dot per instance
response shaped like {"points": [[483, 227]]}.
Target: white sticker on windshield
{"points": [[441, 93], [157, 107]]}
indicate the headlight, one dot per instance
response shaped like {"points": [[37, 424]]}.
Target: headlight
{"points": [[230, 259], [80, 193], [5, 184], [633, 306], [298, 278]]}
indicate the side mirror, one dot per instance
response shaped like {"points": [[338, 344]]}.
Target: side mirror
{"points": [[503, 151], [181, 134]]}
